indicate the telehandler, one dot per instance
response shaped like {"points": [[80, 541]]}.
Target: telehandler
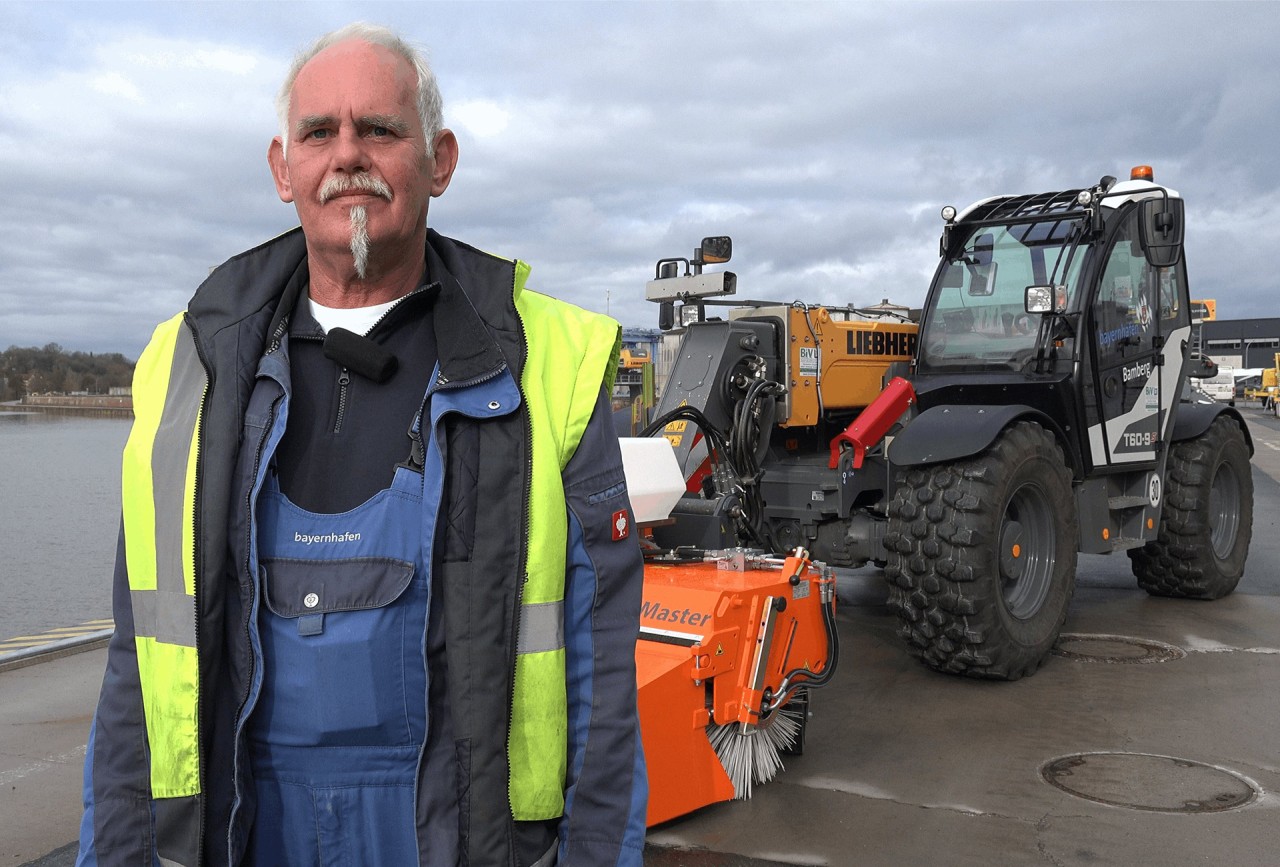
{"points": [[1038, 408]]}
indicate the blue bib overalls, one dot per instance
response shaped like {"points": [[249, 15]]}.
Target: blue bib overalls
{"points": [[338, 731], [350, 748]]}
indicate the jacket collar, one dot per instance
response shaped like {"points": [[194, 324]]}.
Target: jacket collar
{"points": [[467, 348], [478, 331]]}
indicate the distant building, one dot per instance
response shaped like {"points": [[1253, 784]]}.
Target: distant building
{"points": [[1242, 342], [648, 341]]}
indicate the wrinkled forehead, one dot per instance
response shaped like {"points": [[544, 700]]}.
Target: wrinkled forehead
{"points": [[355, 77]]}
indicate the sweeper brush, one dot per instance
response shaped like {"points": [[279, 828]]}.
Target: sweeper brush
{"points": [[753, 754], [730, 642]]}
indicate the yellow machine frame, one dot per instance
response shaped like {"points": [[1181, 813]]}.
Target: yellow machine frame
{"points": [[837, 359]]}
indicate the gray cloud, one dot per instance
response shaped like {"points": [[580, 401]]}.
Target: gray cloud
{"points": [[597, 138]]}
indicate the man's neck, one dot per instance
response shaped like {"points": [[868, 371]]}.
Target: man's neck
{"points": [[334, 283]]}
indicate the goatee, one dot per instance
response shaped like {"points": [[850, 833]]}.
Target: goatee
{"points": [[359, 240]]}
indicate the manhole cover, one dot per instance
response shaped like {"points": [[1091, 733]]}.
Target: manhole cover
{"points": [[1161, 784], [1114, 649]]}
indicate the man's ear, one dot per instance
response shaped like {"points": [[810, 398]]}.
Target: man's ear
{"points": [[444, 162], [279, 170]]}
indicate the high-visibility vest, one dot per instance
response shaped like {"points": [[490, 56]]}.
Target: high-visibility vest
{"points": [[571, 354], [158, 491]]}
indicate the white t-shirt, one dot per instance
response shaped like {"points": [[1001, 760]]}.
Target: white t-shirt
{"points": [[357, 319]]}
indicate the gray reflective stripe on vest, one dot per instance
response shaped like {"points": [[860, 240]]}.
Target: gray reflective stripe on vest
{"points": [[541, 627], [165, 615], [168, 613]]}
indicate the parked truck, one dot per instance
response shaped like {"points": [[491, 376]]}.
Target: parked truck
{"points": [[1221, 386]]}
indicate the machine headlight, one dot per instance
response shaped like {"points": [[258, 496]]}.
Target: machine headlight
{"points": [[690, 313], [1039, 299]]}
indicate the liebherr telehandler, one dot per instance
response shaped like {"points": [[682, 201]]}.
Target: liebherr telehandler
{"points": [[1043, 413]]}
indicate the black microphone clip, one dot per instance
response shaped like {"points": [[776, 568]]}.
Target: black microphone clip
{"points": [[359, 354]]}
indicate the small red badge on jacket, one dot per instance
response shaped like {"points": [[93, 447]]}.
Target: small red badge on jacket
{"points": [[621, 525]]}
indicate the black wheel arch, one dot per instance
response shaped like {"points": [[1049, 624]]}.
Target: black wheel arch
{"points": [[951, 432], [1194, 419]]}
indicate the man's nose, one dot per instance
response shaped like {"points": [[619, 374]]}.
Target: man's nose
{"points": [[349, 153]]}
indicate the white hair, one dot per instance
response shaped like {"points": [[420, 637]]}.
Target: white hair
{"points": [[430, 103], [359, 240]]}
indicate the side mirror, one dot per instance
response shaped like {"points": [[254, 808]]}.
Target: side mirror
{"points": [[716, 250], [1202, 367], [1160, 226], [982, 279], [1045, 299]]}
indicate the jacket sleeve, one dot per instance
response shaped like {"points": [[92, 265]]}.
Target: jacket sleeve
{"points": [[604, 820], [116, 826]]}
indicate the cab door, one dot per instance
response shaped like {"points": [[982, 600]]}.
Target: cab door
{"points": [[1135, 317]]}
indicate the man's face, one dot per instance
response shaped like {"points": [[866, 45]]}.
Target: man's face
{"points": [[353, 120]]}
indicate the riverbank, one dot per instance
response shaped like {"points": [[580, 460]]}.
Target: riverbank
{"points": [[89, 405]]}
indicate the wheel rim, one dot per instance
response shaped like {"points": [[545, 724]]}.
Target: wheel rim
{"points": [[1224, 510], [1027, 551]]}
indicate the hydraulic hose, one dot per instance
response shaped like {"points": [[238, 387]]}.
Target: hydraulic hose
{"points": [[749, 516], [787, 687]]}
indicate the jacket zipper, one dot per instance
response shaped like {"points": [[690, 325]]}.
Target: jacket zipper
{"points": [[442, 383], [386, 313], [272, 346], [197, 569], [522, 565], [276, 336], [344, 380]]}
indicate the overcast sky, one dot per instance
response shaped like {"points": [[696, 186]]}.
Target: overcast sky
{"points": [[597, 138]]}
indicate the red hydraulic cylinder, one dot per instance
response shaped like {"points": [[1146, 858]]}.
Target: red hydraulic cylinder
{"points": [[874, 422]]}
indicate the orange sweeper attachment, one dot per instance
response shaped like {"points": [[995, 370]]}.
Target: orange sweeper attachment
{"points": [[730, 642]]}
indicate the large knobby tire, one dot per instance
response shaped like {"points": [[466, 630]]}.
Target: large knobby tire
{"points": [[1207, 520], [982, 556]]}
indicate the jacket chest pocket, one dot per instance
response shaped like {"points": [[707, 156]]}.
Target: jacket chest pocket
{"points": [[343, 647]]}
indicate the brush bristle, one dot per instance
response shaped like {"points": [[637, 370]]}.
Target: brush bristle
{"points": [[754, 755]]}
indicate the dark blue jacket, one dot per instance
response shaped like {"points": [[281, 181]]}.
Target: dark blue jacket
{"points": [[234, 317]]}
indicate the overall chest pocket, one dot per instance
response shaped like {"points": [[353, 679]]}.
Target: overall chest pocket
{"points": [[343, 648]]}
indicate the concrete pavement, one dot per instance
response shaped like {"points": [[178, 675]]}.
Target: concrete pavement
{"points": [[904, 766], [45, 713]]}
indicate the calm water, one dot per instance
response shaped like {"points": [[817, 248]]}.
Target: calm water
{"points": [[59, 517]]}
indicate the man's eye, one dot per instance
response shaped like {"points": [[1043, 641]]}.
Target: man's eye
{"points": [[318, 133], [379, 131]]}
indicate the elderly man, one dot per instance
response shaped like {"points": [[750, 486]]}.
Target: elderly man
{"points": [[376, 595]]}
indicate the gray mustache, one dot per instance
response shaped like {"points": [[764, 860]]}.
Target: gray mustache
{"points": [[346, 183]]}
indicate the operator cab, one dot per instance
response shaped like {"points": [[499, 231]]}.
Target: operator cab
{"points": [[1074, 304]]}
